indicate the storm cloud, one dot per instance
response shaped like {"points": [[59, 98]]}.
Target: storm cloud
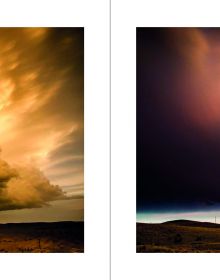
{"points": [[25, 187]]}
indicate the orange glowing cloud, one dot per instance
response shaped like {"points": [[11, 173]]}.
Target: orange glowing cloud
{"points": [[41, 101], [191, 44], [25, 187]]}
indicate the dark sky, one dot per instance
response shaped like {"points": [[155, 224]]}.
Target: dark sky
{"points": [[178, 117]]}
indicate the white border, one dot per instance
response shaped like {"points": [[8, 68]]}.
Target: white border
{"points": [[94, 16], [126, 16]]}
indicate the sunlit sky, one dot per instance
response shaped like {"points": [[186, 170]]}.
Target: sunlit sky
{"points": [[41, 124]]}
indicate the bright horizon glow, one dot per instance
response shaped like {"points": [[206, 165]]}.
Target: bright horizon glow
{"points": [[160, 217]]}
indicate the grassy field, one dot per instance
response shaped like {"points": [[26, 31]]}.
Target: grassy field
{"points": [[180, 236], [66, 237]]}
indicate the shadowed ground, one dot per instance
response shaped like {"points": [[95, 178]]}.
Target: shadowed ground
{"points": [[179, 236], [51, 237]]}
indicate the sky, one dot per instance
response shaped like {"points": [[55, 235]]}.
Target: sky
{"points": [[178, 124], [41, 124]]}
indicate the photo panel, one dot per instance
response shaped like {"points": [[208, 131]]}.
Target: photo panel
{"points": [[164, 83], [178, 140], [42, 142]]}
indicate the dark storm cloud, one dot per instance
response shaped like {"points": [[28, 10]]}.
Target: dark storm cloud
{"points": [[178, 117]]}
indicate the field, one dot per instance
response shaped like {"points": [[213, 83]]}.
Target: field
{"points": [[55, 237], [179, 236]]}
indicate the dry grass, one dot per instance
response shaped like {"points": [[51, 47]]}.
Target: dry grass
{"points": [[42, 237], [178, 237]]}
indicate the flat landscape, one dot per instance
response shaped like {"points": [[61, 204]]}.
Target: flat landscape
{"points": [[180, 236], [53, 237]]}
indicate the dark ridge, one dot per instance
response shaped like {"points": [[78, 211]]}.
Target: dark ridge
{"points": [[45, 223], [191, 223], [188, 223]]}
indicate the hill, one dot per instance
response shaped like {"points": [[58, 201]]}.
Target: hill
{"points": [[192, 223], [178, 236]]}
